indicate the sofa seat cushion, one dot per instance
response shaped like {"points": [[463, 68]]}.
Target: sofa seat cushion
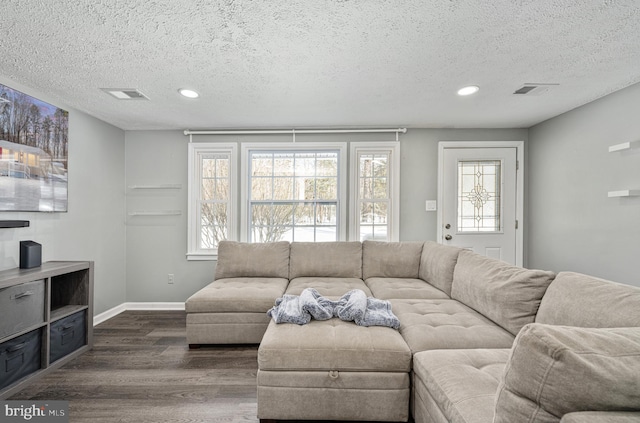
{"points": [[391, 259], [459, 384], [554, 370], [331, 288], [447, 324], [403, 288], [333, 345], [508, 295], [253, 294]]}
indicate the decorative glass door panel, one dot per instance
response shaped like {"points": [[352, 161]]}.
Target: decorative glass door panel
{"points": [[479, 196]]}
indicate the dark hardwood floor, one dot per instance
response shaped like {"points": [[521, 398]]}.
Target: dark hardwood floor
{"points": [[141, 370]]}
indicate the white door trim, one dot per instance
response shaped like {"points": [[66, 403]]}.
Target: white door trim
{"points": [[519, 145]]}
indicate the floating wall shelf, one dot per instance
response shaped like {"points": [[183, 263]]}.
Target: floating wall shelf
{"points": [[625, 193], [161, 186], [624, 146], [156, 213], [14, 223]]}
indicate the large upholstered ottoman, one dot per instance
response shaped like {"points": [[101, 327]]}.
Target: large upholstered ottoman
{"points": [[333, 370]]}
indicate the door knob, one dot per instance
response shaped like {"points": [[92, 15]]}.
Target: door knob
{"points": [[447, 226], [448, 237]]}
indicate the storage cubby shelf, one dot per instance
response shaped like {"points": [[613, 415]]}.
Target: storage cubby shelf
{"points": [[50, 325]]}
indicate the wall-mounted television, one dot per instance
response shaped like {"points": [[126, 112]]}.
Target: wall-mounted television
{"points": [[33, 154]]}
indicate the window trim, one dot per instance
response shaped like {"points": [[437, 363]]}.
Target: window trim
{"points": [[373, 147], [343, 205], [195, 179]]}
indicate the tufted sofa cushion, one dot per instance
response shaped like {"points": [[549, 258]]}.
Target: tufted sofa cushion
{"points": [[447, 324], [457, 386], [254, 295], [241, 259], [506, 294], [391, 259], [403, 288], [554, 370]]}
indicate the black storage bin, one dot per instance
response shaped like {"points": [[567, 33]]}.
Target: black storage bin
{"points": [[67, 335], [20, 357]]}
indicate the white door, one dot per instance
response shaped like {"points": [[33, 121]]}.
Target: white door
{"points": [[480, 203]]}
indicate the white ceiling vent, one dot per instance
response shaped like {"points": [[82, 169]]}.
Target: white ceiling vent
{"points": [[534, 88], [125, 93]]}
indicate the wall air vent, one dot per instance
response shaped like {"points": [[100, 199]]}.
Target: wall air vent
{"points": [[125, 93], [534, 88]]}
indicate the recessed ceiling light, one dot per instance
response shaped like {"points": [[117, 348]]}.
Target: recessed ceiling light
{"points": [[471, 89], [188, 93]]}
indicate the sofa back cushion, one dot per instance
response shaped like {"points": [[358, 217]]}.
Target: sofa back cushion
{"points": [[554, 370], [437, 263], [391, 259], [574, 299], [330, 259], [508, 295], [241, 259]]}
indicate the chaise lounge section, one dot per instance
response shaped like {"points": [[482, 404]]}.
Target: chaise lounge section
{"points": [[471, 330]]}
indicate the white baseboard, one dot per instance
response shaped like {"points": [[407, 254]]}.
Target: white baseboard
{"points": [[106, 315]]}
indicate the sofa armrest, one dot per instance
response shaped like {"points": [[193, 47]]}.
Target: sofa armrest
{"points": [[555, 370], [601, 417]]}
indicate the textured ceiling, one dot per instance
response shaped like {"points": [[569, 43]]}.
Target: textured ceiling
{"points": [[321, 63]]}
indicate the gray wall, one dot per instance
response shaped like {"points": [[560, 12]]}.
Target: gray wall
{"points": [[156, 245], [573, 224], [93, 228]]}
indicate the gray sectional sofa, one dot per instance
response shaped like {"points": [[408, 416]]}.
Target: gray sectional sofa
{"points": [[479, 340]]}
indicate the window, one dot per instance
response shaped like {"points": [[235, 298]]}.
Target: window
{"points": [[212, 196], [375, 184], [294, 193], [291, 192]]}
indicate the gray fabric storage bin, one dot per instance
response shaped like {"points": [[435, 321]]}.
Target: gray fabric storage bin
{"points": [[67, 335], [20, 357], [22, 306]]}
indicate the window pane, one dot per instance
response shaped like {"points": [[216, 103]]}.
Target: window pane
{"points": [[299, 180], [479, 186], [380, 188], [262, 165], [282, 188], [326, 234], [327, 189], [283, 164], [305, 164], [213, 224], [261, 188], [326, 214]]}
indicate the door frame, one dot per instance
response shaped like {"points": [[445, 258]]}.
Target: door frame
{"points": [[519, 146]]}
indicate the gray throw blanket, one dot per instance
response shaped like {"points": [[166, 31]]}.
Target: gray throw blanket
{"points": [[354, 306]]}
